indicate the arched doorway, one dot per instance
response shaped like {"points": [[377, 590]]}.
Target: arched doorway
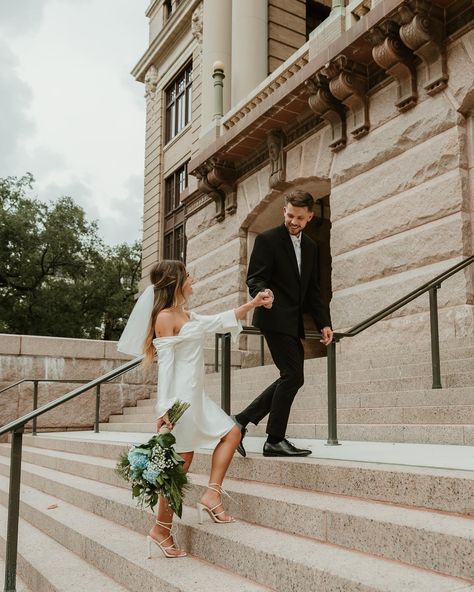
{"points": [[269, 213]]}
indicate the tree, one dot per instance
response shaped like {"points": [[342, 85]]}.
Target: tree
{"points": [[56, 275]]}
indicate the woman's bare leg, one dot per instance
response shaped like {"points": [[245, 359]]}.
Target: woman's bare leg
{"points": [[221, 458], [165, 514]]}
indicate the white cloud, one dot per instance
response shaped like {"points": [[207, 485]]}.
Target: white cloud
{"points": [[76, 116]]}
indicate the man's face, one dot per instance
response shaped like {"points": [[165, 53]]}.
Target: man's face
{"points": [[296, 218]]}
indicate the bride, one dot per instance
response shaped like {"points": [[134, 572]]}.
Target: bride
{"points": [[159, 322]]}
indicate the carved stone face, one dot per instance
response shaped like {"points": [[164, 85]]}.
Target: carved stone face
{"points": [[273, 149]]}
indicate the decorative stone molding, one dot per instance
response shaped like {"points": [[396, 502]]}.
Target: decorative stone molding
{"points": [[196, 25], [390, 54], [277, 156], [361, 9], [151, 82], [279, 77], [349, 83], [216, 178], [422, 31], [323, 103]]}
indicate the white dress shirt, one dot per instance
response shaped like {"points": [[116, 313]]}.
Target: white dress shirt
{"points": [[296, 240]]}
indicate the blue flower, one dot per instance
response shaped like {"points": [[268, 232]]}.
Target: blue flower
{"points": [[150, 475], [137, 460]]}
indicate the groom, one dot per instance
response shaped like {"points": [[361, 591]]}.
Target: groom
{"points": [[284, 262]]}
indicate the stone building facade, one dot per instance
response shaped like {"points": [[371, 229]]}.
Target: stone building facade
{"points": [[367, 104]]}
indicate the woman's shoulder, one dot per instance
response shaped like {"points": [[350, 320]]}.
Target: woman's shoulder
{"points": [[165, 321]]}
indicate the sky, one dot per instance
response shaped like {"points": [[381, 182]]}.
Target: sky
{"points": [[70, 111]]}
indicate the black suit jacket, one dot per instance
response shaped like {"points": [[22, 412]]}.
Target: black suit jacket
{"points": [[273, 265]]}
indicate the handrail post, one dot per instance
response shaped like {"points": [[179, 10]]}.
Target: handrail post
{"points": [[434, 329], [13, 510], [35, 405], [216, 353], [332, 395], [262, 351], [225, 372], [97, 409]]}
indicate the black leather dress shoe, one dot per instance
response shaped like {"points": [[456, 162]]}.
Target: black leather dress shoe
{"points": [[284, 448], [240, 448]]}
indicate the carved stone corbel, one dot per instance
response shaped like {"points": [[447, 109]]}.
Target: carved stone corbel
{"points": [[196, 25], [217, 179], [349, 83], [277, 156], [394, 57], [151, 82], [422, 31], [322, 102]]}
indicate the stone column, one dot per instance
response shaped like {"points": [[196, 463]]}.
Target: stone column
{"points": [[217, 31], [249, 46]]}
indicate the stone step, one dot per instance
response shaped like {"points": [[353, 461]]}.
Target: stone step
{"points": [[435, 541], [47, 566], [286, 562], [305, 399], [455, 414], [20, 584], [435, 489], [459, 434], [119, 552], [457, 379], [462, 435], [354, 360], [359, 372]]}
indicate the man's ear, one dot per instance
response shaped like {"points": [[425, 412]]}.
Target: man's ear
{"points": [[311, 216]]}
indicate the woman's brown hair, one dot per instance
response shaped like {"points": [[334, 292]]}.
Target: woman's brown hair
{"points": [[168, 279]]}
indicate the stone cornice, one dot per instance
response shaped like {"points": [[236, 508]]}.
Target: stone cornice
{"points": [[290, 100], [178, 23]]}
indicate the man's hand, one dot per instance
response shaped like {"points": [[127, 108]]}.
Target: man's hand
{"points": [[327, 335], [270, 295]]}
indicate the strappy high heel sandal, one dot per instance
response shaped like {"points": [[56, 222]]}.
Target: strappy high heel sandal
{"points": [[212, 511], [165, 549]]}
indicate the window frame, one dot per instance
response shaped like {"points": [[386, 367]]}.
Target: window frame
{"points": [[178, 102]]}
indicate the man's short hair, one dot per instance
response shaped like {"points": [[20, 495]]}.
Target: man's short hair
{"points": [[300, 199]]}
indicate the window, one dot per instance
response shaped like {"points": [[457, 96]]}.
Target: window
{"points": [[178, 103], [175, 240], [168, 8], [316, 13]]}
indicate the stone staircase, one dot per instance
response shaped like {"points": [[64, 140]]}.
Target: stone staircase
{"points": [[382, 396], [305, 525]]}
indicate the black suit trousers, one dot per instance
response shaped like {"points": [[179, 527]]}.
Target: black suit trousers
{"points": [[276, 400]]}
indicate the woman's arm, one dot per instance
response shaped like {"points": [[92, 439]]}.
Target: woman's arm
{"points": [[261, 299]]}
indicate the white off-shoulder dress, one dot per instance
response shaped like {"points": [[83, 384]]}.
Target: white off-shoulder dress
{"points": [[181, 377]]}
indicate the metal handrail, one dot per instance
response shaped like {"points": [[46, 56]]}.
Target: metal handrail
{"points": [[21, 421], [432, 287], [434, 283], [62, 380], [17, 428], [36, 381]]}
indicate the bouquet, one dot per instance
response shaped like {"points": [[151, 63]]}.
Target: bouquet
{"points": [[155, 468]]}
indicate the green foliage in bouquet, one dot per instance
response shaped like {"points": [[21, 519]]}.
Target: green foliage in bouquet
{"points": [[155, 468]]}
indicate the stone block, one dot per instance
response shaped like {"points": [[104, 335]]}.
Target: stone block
{"points": [[421, 125], [218, 286], [327, 32], [428, 244], [355, 304], [399, 213], [112, 353], [460, 56], [62, 347], [423, 163], [10, 344]]}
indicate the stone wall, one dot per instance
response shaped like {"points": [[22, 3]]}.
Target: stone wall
{"points": [[401, 201], [66, 359]]}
